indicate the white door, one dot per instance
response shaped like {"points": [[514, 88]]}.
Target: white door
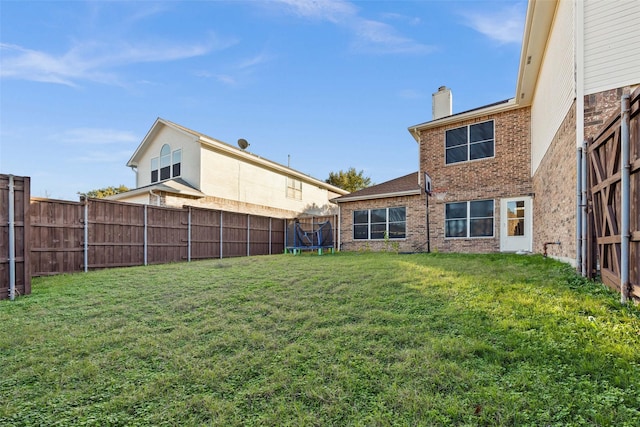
{"points": [[516, 224]]}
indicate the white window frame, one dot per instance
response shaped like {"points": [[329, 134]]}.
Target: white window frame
{"points": [[155, 169], [173, 162], [469, 144], [469, 218], [170, 157]]}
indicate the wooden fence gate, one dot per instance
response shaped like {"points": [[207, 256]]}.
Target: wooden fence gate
{"points": [[605, 176]]}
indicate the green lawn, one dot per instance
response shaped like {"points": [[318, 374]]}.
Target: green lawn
{"points": [[344, 339]]}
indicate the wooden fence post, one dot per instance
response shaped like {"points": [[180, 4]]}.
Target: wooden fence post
{"points": [[146, 240], [12, 240], [86, 233], [270, 235], [221, 233], [189, 236]]}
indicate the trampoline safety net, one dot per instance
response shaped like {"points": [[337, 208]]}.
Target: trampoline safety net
{"points": [[316, 235]]}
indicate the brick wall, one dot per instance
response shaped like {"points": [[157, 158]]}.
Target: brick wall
{"points": [[554, 184], [555, 180], [598, 107], [416, 225], [505, 175]]}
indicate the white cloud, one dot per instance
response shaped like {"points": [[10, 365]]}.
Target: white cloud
{"points": [[504, 26], [235, 73], [410, 94], [254, 61], [409, 20], [226, 79], [369, 35], [102, 157], [95, 136], [378, 37], [94, 60], [334, 11]]}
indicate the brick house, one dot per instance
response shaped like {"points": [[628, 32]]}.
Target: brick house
{"points": [[387, 216], [479, 165], [506, 174]]}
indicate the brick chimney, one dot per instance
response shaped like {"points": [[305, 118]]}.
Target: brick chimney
{"points": [[442, 103]]}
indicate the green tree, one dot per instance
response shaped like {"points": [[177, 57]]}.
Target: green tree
{"points": [[101, 193], [349, 180]]}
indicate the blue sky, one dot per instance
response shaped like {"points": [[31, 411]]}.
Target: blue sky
{"points": [[333, 84]]}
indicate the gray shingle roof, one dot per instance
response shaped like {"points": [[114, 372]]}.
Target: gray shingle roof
{"points": [[403, 186]]}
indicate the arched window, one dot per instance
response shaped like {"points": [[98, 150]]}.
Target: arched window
{"points": [[165, 162], [167, 165]]}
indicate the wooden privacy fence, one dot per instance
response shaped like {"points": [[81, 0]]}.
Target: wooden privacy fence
{"points": [[15, 278], [96, 233], [608, 178]]}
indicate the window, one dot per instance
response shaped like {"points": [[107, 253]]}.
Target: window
{"points": [[294, 189], [154, 169], [515, 219], [165, 162], [376, 224], [168, 165], [177, 160], [469, 219], [470, 142]]}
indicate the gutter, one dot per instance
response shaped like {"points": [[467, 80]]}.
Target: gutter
{"points": [[499, 107], [377, 196]]}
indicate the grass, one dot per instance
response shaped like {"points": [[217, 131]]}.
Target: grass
{"points": [[346, 339]]}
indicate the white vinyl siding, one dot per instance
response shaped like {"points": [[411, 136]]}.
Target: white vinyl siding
{"points": [[611, 27], [555, 91]]}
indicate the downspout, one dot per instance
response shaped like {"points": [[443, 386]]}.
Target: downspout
{"points": [[625, 199], [578, 7], [12, 240], [584, 213], [579, 209], [157, 196]]}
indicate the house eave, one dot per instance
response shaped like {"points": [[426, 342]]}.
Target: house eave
{"points": [[540, 15], [166, 186], [415, 192], [507, 105]]}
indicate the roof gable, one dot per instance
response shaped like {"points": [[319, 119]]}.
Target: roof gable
{"points": [[151, 135]]}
